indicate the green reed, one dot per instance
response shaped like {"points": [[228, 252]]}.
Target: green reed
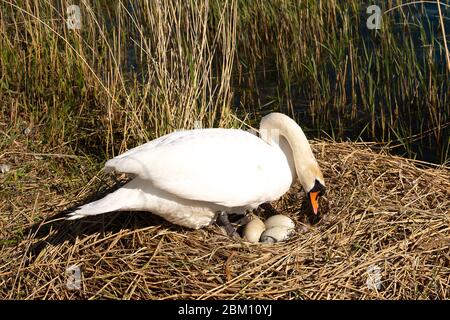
{"points": [[137, 70]]}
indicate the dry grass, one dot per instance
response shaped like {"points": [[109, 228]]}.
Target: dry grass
{"points": [[381, 211]]}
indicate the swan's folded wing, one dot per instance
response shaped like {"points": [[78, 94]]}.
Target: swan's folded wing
{"points": [[226, 167]]}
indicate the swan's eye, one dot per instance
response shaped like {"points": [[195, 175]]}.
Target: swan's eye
{"points": [[322, 191]]}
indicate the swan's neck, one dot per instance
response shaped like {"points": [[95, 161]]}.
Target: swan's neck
{"points": [[276, 126]]}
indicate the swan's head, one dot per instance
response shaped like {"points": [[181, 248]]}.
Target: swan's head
{"points": [[311, 179]]}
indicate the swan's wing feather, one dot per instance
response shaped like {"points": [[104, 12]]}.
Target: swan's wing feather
{"points": [[223, 166]]}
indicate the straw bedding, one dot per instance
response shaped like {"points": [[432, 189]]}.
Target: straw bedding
{"points": [[383, 233]]}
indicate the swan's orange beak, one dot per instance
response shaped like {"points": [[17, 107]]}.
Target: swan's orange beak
{"points": [[314, 197]]}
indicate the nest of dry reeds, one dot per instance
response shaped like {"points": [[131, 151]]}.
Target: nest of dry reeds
{"points": [[383, 233]]}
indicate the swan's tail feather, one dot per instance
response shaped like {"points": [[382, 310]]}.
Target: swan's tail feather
{"points": [[115, 201], [91, 209]]}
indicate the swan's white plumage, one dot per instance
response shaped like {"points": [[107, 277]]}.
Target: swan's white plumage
{"points": [[228, 167], [188, 176]]}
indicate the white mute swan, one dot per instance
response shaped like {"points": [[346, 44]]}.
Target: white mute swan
{"points": [[193, 177]]}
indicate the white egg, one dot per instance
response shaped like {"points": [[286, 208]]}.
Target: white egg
{"points": [[253, 230], [276, 234], [279, 220]]}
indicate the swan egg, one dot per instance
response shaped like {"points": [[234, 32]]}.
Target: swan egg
{"points": [[253, 230], [276, 234], [279, 220]]}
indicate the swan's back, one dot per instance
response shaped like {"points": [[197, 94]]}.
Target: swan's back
{"points": [[229, 167]]}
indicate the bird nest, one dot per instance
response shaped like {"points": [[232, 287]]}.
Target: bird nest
{"points": [[382, 233]]}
